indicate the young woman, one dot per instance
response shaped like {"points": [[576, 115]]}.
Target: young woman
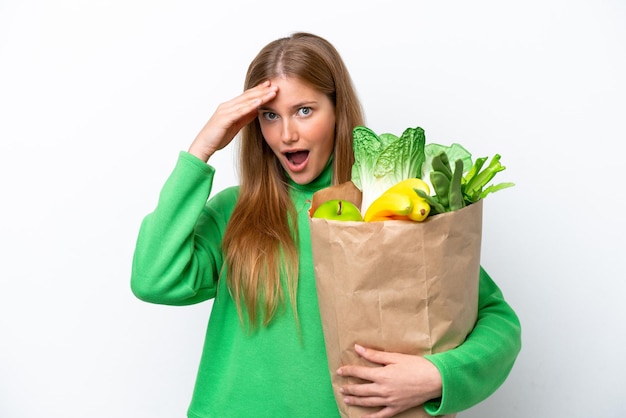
{"points": [[248, 247]]}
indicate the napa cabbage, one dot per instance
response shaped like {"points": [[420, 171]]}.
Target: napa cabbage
{"points": [[381, 161]]}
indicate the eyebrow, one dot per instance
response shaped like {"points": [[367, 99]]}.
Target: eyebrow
{"points": [[294, 107]]}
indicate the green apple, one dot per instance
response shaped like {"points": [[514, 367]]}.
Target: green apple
{"points": [[338, 210]]}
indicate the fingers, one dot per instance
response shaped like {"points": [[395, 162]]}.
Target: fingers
{"points": [[252, 98], [234, 114], [375, 356], [384, 386], [393, 381], [229, 118], [255, 96], [367, 401], [238, 112], [361, 372], [266, 92], [367, 373], [363, 395], [355, 395]]}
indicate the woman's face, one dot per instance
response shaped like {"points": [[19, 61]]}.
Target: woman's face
{"points": [[299, 126]]}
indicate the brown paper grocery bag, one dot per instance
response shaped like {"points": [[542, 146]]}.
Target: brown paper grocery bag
{"points": [[398, 286]]}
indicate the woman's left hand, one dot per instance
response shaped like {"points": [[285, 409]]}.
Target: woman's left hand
{"points": [[403, 382]]}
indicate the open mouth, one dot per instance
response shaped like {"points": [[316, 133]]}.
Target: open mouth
{"points": [[297, 158]]}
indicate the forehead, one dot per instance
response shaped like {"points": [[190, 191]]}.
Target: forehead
{"points": [[293, 91], [291, 85]]}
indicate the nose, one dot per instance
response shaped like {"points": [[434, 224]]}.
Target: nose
{"points": [[289, 132]]}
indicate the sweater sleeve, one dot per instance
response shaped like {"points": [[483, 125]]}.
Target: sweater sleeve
{"points": [[172, 264], [474, 370]]}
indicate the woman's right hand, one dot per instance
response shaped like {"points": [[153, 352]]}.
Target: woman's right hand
{"points": [[229, 118]]}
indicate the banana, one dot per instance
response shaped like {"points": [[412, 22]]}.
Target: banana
{"points": [[400, 202], [388, 205], [407, 186], [420, 210]]}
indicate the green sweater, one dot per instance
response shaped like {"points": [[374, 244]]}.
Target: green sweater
{"points": [[279, 371]]}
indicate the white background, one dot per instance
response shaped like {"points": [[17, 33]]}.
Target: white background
{"points": [[98, 97]]}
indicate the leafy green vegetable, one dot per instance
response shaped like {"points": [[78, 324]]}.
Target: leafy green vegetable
{"points": [[382, 161], [455, 189], [453, 152], [475, 180]]}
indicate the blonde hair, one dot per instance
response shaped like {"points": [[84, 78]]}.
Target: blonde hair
{"points": [[260, 242]]}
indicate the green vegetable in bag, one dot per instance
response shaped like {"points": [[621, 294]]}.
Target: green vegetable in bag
{"points": [[455, 189], [381, 161]]}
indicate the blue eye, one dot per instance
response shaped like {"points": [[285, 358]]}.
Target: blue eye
{"points": [[305, 111], [270, 115]]}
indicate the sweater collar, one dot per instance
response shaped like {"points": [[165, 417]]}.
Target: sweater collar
{"points": [[322, 181]]}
